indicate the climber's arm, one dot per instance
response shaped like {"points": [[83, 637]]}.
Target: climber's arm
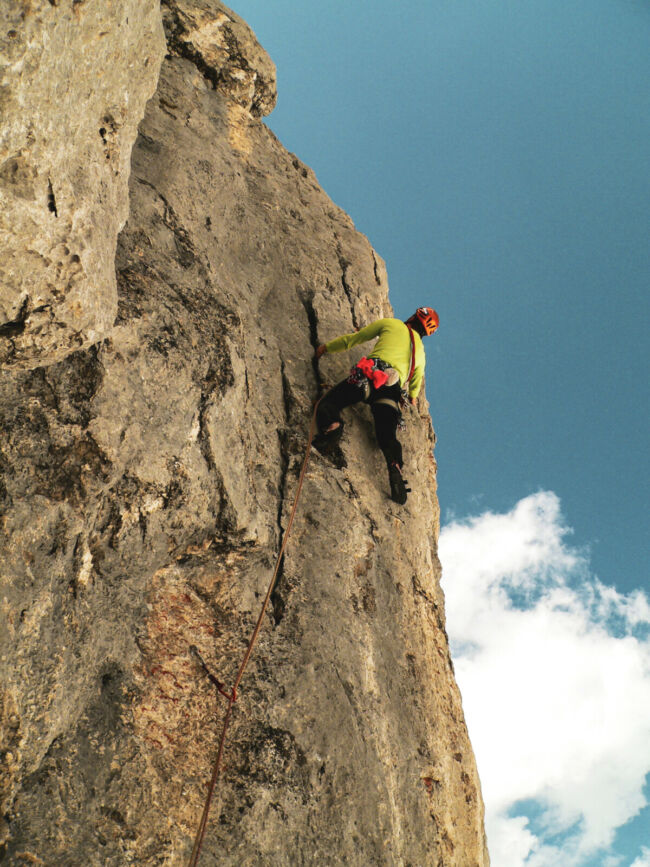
{"points": [[347, 341]]}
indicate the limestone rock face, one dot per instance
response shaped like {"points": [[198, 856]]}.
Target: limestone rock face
{"points": [[146, 486], [225, 49], [74, 79]]}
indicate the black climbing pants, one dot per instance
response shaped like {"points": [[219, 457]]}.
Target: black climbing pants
{"points": [[386, 417]]}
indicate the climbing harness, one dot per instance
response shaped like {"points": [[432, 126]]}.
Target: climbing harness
{"points": [[372, 373], [369, 371], [375, 372], [232, 695]]}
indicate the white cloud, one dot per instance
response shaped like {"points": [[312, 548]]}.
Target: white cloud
{"points": [[554, 667], [643, 860]]}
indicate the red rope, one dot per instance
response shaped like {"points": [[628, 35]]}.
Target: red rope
{"points": [[412, 355], [232, 698]]}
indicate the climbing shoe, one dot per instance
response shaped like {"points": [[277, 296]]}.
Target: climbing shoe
{"points": [[398, 489]]}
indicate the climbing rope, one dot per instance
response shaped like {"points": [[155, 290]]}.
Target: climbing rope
{"points": [[232, 696]]}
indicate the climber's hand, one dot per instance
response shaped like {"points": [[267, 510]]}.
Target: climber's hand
{"points": [[321, 350], [413, 401]]}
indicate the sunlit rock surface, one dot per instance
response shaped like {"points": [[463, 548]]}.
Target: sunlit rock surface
{"points": [[146, 485], [74, 79]]}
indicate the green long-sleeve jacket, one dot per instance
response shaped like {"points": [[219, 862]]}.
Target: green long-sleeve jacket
{"points": [[393, 347]]}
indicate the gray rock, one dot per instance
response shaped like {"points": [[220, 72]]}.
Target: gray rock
{"points": [[224, 48], [74, 79], [146, 486]]}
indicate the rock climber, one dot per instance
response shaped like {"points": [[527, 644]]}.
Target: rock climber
{"points": [[386, 379]]}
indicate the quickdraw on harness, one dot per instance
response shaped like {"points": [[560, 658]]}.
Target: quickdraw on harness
{"points": [[369, 371], [376, 373]]}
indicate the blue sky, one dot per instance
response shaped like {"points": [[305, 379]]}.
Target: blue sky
{"points": [[496, 154]]}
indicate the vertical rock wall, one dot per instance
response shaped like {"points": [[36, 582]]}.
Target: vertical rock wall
{"points": [[146, 484], [74, 79]]}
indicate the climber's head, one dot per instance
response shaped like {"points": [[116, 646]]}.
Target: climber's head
{"points": [[425, 321]]}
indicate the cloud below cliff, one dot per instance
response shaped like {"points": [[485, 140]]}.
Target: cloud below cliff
{"points": [[644, 858], [554, 667]]}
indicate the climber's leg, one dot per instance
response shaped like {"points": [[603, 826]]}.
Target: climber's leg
{"points": [[328, 415], [386, 421]]}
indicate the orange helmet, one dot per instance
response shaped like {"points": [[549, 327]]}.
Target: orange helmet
{"points": [[428, 318]]}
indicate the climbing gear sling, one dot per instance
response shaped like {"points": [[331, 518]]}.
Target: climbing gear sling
{"points": [[369, 370], [373, 373]]}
